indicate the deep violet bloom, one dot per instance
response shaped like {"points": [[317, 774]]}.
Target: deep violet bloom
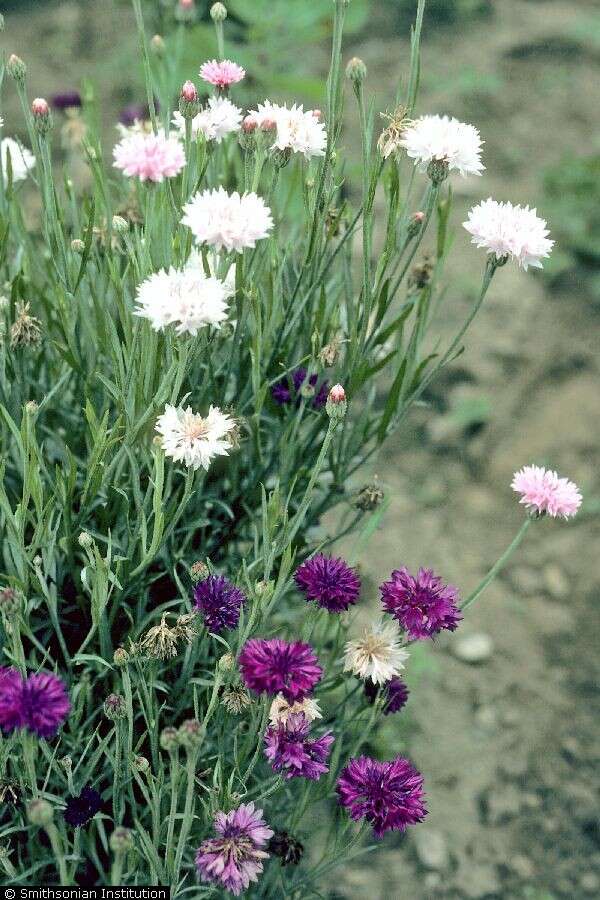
{"points": [[11, 706], [395, 694], [389, 795], [39, 703], [219, 601], [288, 848], [81, 810], [235, 856], [329, 581], [287, 389], [136, 112], [273, 666], [66, 100], [423, 605], [291, 752]]}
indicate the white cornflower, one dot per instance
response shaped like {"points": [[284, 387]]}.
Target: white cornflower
{"points": [[194, 439], [22, 160], [281, 709], [218, 119], [227, 221], [377, 654], [296, 129], [507, 230], [187, 299], [442, 139]]}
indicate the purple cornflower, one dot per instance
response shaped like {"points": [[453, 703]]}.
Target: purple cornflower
{"points": [[39, 703], [219, 601], [423, 605], [389, 795], [287, 389], [290, 752], [395, 694], [136, 112], [235, 857], [66, 100], [274, 665], [11, 707], [329, 581], [82, 809]]}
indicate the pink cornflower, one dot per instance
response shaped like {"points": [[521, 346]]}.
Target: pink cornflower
{"points": [[235, 856], [545, 492], [221, 73], [149, 157]]}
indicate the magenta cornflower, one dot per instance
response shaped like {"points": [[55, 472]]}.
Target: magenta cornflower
{"points": [[235, 856], [394, 691], [149, 157], [273, 666], [389, 795], [39, 703], [329, 581], [291, 752], [221, 73], [423, 605], [545, 492], [219, 601]]}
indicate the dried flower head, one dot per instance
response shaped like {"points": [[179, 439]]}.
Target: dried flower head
{"points": [[160, 641], [115, 707], [235, 698], [26, 330], [281, 709], [421, 273], [288, 848], [369, 496], [391, 136]]}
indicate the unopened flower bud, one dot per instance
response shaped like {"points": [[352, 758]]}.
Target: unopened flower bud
{"points": [[77, 245], [11, 602], [218, 12], [268, 125], [114, 707], [188, 100], [120, 225], [39, 812], [249, 125], [356, 70], [85, 539], [120, 656], [438, 170], [42, 119], [189, 92], [227, 662], [336, 405], [169, 739], [190, 734], [121, 840], [317, 113], [199, 571], [16, 68], [142, 765], [186, 10], [157, 45], [31, 408], [415, 223], [66, 762]]}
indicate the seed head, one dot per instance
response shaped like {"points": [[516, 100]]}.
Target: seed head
{"points": [[160, 641], [77, 246], [370, 496], [235, 698], [26, 330], [142, 765]]}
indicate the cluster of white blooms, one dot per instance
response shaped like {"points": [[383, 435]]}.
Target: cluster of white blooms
{"points": [[185, 298], [295, 129], [377, 654], [510, 231], [442, 139], [219, 118], [194, 439], [22, 160], [227, 221]]}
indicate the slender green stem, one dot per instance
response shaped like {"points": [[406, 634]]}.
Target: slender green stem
{"points": [[498, 566]]}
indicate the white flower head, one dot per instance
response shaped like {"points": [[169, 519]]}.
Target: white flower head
{"points": [[442, 139], [187, 299], [194, 439], [22, 160], [281, 709], [377, 654], [297, 129], [218, 119], [510, 231], [195, 263], [227, 221]]}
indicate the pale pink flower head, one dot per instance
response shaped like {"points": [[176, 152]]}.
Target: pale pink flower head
{"points": [[544, 492], [508, 231], [227, 221], [149, 157], [221, 73]]}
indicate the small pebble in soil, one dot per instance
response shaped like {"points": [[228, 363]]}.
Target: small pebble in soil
{"points": [[431, 848], [526, 580], [555, 581], [473, 648], [590, 883]]}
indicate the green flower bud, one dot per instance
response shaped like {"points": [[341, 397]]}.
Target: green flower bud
{"points": [[16, 68], [169, 739], [356, 70], [121, 840], [438, 170], [11, 602], [39, 812], [120, 656], [120, 225], [190, 734], [77, 246], [141, 764], [218, 12], [114, 707]]}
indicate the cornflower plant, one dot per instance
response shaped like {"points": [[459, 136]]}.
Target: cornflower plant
{"points": [[188, 372]]}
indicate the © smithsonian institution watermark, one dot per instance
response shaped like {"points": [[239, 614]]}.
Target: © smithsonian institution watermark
{"points": [[41, 892]]}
